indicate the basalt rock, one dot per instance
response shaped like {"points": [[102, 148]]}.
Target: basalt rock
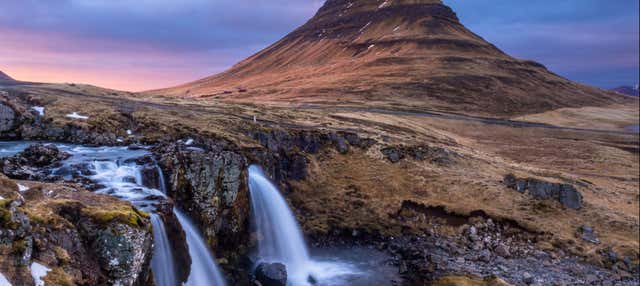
{"points": [[211, 187], [271, 274], [84, 238], [566, 194], [32, 163], [434, 155]]}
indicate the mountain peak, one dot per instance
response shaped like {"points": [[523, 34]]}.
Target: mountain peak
{"points": [[5, 77], [401, 53]]}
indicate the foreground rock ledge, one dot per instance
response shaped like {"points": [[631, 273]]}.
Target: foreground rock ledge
{"points": [[84, 238]]}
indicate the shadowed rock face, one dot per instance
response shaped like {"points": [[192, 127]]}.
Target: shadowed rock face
{"points": [[410, 53]]}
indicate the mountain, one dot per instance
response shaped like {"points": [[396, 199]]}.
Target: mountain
{"points": [[628, 90], [402, 53], [5, 77]]}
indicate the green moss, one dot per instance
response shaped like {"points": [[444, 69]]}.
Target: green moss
{"points": [[126, 214]]}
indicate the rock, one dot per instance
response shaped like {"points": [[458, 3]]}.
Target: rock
{"points": [[393, 154], [271, 274], [32, 163], [570, 197], [7, 118], [566, 194], [587, 234], [527, 278], [341, 145], [502, 250]]}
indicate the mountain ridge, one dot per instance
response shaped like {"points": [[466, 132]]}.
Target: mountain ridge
{"points": [[408, 54], [5, 77]]}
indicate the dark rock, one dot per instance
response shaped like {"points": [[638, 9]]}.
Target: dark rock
{"points": [[8, 118], [393, 154], [570, 197], [271, 274], [566, 194], [587, 234], [31, 163], [341, 145], [502, 250]]}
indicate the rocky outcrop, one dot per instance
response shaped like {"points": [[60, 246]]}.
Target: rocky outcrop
{"points": [[212, 187], [566, 194], [7, 118], [271, 274], [84, 238], [434, 155], [32, 163]]}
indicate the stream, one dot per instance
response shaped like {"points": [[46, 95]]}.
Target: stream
{"points": [[117, 173]]}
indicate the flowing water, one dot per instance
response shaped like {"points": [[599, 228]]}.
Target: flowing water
{"points": [[115, 170], [204, 270], [280, 239]]}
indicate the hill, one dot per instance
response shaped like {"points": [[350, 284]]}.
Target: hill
{"points": [[409, 54]]}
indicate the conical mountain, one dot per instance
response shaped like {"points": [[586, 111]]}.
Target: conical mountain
{"points": [[396, 53]]}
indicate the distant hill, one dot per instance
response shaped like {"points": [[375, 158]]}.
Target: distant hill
{"points": [[628, 90], [5, 77], [410, 54]]}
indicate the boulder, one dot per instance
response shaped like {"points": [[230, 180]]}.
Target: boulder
{"points": [[271, 274], [566, 194], [33, 162]]}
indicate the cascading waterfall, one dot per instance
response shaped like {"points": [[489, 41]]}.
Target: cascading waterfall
{"points": [[204, 271], [280, 239], [124, 180], [162, 261]]}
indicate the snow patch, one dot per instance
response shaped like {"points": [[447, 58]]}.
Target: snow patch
{"points": [[1, 198], [188, 142], [383, 4], [39, 109], [129, 132], [119, 140], [4, 281], [75, 115], [22, 188], [365, 26], [37, 272], [371, 46], [396, 28]]}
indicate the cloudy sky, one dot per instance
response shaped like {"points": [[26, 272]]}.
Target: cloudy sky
{"points": [[144, 44]]}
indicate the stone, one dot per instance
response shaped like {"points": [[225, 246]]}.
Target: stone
{"points": [[587, 234], [7, 118], [271, 274], [527, 278], [570, 197], [393, 154], [502, 250]]}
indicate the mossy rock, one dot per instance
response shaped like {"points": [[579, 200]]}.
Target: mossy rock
{"points": [[126, 214]]}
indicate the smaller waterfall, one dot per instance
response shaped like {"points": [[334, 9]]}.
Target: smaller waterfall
{"points": [[204, 270], [162, 261], [280, 238]]}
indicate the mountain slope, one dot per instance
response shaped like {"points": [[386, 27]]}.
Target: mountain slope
{"points": [[5, 77], [402, 53], [628, 90]]}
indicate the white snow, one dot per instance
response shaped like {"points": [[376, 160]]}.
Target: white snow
{"points": [[383, 4], [119, 140], [1, 198], [37, 272], [22, 188], [365, 26], [75, 115], [4, 281], [39, 109], [188, 142], [129, 132], [396, 28], [371, 46]]}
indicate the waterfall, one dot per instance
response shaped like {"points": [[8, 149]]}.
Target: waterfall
{"points": [[204, 270], [162, 261], [280, 238], [124, 180]]}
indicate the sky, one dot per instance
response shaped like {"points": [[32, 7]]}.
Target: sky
{"points": [[145, 44]]}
